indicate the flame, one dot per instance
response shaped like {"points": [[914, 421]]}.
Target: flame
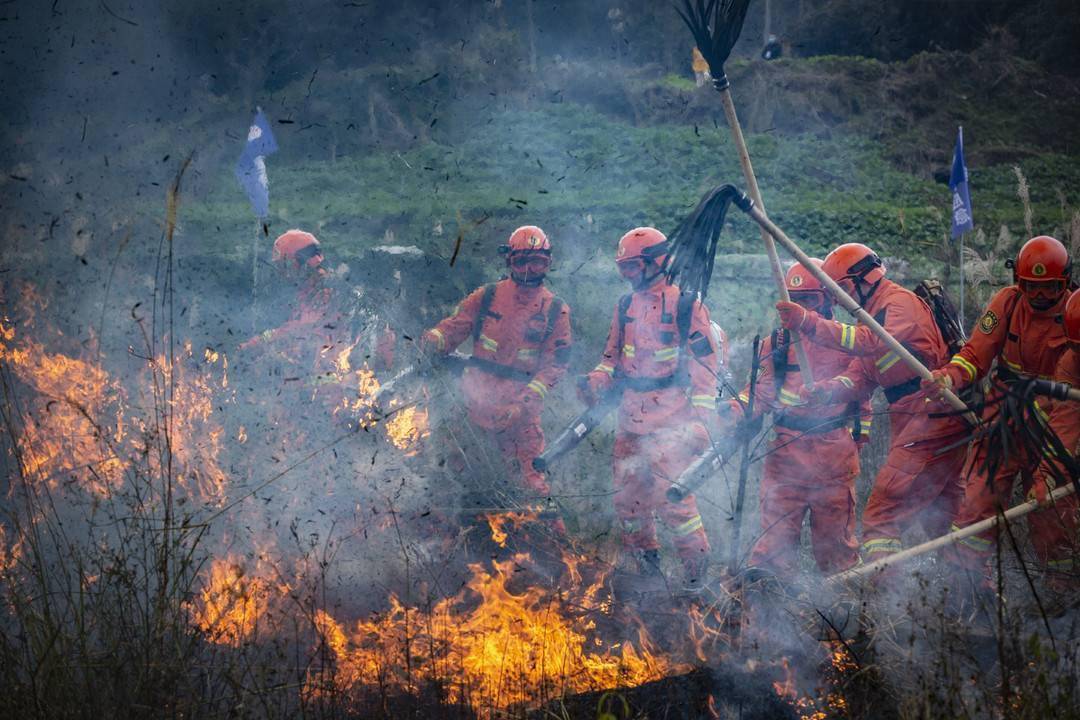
{"points": [[507, 650], [73, 428], [406, 427], [9, 552], [497, 523], [830, 701], [62, 431], [232, 602]]}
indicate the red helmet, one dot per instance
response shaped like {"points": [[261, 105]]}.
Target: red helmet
{"points": [[1042, 270], [799, 279], [1042, 258], [300, 247], [641, 255], [644, 242], [806, 289], [1072, 317], [528, 238], [854, 260], [528, 255]]}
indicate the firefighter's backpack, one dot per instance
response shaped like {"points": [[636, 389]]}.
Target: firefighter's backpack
{"points": [[945, 315]]}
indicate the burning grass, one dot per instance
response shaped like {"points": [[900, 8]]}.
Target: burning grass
{"points": [[140, 569], [490, 647]]}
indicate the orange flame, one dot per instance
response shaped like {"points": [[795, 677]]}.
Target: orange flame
{"points": [[509, 650], [232, 602], [497, 523]]}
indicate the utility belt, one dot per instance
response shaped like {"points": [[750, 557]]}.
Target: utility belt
{"points": [[811, 425], [902, 390], [649, 384], [499, 370]]}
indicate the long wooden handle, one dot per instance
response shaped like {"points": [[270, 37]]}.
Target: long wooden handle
{"points": [[849, 304], [755, 194], [954, 537]]}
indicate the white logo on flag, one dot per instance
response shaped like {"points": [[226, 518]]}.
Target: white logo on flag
{"points": [[960, 212], [254, 133], [260, 168]]}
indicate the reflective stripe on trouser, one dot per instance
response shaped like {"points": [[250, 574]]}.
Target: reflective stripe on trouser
{"points": [[644, 466], [1053, 530], [825, 467], [918, 483]]}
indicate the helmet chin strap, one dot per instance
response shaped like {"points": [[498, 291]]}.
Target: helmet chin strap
{"points": [[645, 280], [865, 297], [527, 279], [1041, 305]]}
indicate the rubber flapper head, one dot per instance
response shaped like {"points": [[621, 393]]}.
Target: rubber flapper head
{"points": [[715, 25], [692, 245]]}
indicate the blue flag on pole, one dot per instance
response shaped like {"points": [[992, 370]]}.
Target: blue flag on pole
{"points": [[251, 168], [958, 183]]}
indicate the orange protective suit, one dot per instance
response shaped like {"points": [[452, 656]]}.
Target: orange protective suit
{"points": [[668, 393], [811, 463], [318, 347], [521, 348], [1025, 343], [920, 480]]}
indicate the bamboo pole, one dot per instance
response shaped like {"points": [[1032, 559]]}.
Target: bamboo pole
{"points": [[954, 537], [724, 88], [853, 307]]}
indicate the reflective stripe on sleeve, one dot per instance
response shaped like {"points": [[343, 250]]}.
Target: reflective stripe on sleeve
{"points": [[690, 526], [538, 387], [488, 343], [439, 338], [789, 398], [886, 361], [703, 401], [628, 351], [966, 366], [605, 368], [847, 336], [882, 545]]}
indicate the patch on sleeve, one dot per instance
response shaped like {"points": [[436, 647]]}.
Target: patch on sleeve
{"points": [[988, 322]]}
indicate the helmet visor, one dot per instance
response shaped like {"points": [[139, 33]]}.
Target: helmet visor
{"points": [[809, 299], [532, 262], [1043, 290], [631, 268], [306, 253]]}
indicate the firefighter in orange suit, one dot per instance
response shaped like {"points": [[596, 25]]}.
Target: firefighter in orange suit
{"points": [[920, 480], [661, 355], [521, 346], [319, 330], [813, 460], [1022, 329], [1057, 531]]}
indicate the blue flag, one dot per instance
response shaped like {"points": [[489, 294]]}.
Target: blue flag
{"points": [[958, 183], [251, 168]]}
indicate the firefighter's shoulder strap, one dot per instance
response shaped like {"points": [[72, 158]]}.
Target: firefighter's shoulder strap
{"points": [[485, 309], [624, 316], [947, 319], [684, 313], [780, 342], [1009, 334], [554, 310]]}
